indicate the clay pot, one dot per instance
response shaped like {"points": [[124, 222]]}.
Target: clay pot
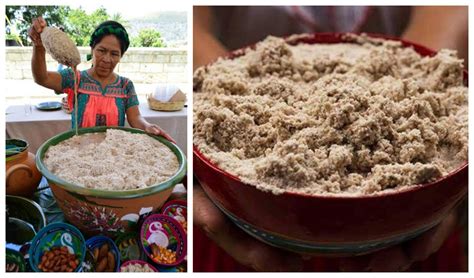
{"points": [[22, 176], [105, 212]]}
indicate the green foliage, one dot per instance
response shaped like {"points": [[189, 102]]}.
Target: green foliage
{"points": [[21, 17], [118, 17], [77, 23], [148, 37], [81, 25]]}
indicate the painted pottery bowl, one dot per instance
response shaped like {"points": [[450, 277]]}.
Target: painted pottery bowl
{"points": [[177, 209], [165, 232], [129, 247], [332, 225], [54, 236], [134, 262], [97, 242], [183, 267], [14, 261], [96, 211]]}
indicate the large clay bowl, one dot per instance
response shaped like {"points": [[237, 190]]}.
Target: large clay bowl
{"points": [[111, 213], [331, 225]]}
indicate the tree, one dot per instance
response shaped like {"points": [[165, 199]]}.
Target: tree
{"points": [[76, 22], [21, 17], [148, 37], [82, 25], [118, 17]]}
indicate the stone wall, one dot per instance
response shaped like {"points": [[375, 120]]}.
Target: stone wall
{"points": [[141, 65]]}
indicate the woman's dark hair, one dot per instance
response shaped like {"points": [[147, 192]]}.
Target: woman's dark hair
{"points": [[111, 27]]}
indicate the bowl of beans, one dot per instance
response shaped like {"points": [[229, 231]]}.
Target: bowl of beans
{"points": [[58, 247], [105, 254]]}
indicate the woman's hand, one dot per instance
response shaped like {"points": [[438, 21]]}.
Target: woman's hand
{"points": [[41, 75], [36, 29], [242, 247], [156, 130], [400, 257], [253, 253], [136, 120]]}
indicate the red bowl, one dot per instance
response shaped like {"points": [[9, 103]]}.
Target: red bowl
{"points": [[332, 225]]}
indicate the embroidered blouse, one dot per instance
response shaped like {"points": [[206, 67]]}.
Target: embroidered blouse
{"points": [[97, 105]]}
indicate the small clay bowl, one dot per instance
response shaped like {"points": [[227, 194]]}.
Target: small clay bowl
{"points": [[129, 247], [15, 258], [166, 232], [140, 262], [97, 241], [57, 235], [177, 209]]}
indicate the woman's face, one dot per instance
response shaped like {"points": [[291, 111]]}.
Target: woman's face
{"points": [[105, 56]]}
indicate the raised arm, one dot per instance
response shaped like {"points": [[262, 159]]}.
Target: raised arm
{"points": [[48, 79]]}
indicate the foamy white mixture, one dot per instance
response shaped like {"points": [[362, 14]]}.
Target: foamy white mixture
{"points": [[114, 160], [351, 118]]}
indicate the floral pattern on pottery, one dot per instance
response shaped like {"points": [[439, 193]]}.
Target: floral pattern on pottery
{"points": [[93, 218], [178, 210]]}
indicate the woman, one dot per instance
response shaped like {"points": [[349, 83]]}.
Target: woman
{"points": [[104, 98]]}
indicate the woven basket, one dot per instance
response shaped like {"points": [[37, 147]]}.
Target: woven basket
{"points": [[164, 106]]}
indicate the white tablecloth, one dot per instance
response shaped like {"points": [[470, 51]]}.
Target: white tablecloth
{"points": [[39, 126]]}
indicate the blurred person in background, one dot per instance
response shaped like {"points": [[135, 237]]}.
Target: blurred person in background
{"points": [[218, 30]]}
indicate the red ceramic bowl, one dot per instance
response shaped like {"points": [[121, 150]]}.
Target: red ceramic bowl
{"points": [[332, 225]]}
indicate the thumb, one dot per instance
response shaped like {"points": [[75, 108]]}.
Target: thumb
{"points": [[242, 247]]}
